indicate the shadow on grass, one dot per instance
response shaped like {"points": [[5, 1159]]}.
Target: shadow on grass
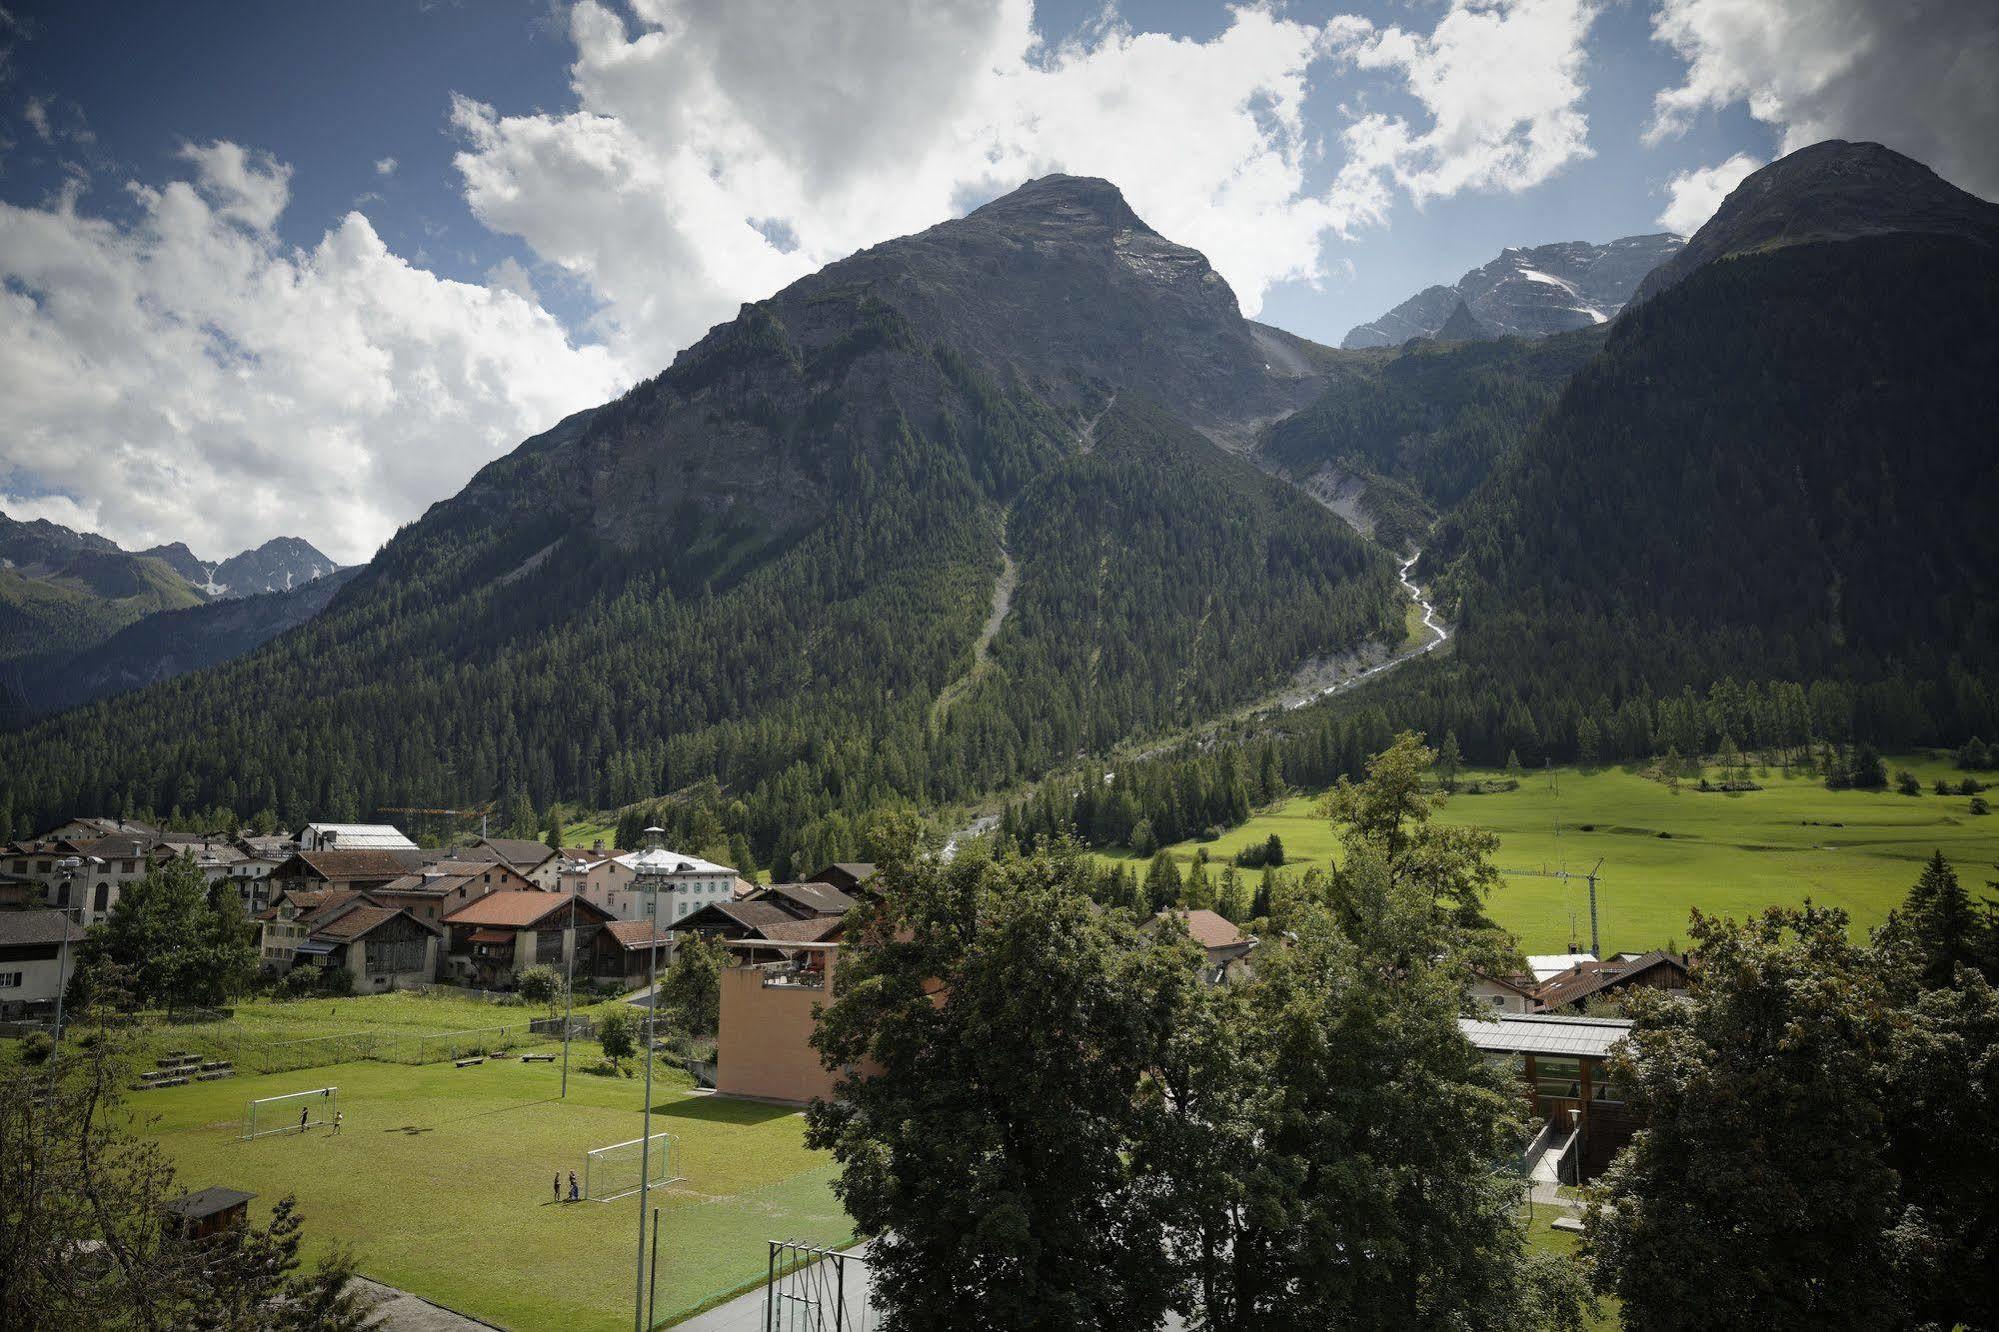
{"points": [[724, 1110]]}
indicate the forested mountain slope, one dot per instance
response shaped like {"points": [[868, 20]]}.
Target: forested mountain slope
{"points": [[1419, 428], [766, 564], [1779, 469]]}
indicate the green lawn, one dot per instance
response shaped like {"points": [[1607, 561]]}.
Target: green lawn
{"points": [[1727, 854], [440, 1180], [1541, 1234]]}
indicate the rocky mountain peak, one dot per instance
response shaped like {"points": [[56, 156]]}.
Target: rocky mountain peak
{"points": [[1053, 204], [1831, 191]]}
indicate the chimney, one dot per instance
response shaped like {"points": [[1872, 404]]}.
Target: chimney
{"points": [[597, 845]]}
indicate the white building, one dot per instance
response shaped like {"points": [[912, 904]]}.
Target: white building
{"points": [[686, 884], [1546, 965], [353, 837], [33, 957]]}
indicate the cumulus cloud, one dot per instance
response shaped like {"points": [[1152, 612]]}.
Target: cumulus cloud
{"points": [[1502, 86], [1915, 75], [1694, 195], [718, 152], [385, 166], [184, 376]]}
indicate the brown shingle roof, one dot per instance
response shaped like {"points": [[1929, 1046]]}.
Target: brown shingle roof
{"points": [[519, 852], [1590, 978], [363, 864], [820, 899], [1207, 928], [36, 926], [812, 929], [520, 908], [635, 933], [360, 920]]}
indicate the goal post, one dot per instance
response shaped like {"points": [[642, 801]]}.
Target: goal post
{"points": [[292, 1112], [613, 1172]]}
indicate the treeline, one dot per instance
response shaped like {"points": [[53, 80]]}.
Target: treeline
{"points": [[506, 649]]}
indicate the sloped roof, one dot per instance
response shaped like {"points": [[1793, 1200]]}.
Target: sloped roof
{"points": [[515, 851], [520, 908], [634, 934], [670, 862], [1544, 965], [37, 925], [1209, 929], [820, 899], [1588, 978], [1537, 1033], [365, 864], [351, 925], [811, 929], [207, 1202], [361, 836]]}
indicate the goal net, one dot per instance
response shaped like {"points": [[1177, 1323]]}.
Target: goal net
{"points": [[614, 1171], [294, 1112]]}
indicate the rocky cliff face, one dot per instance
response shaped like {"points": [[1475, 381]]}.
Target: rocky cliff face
{"points": [[1830, 191], [1529, 293]]}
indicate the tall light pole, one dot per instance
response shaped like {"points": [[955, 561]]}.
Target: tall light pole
{"points": [[568, 991], [649, 865], [69, 866]]}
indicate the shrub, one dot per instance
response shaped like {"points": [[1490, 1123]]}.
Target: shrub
{"points": [[1978, 805], [1906, 783]]}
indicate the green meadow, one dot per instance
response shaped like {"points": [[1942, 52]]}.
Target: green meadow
{"points": [[1666, 851], [440, 1180]]}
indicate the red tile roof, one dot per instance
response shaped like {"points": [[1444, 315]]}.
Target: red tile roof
{"points": [[634, 933], [352, 924], [1208, 929], [1585, 979], [520, 908]]}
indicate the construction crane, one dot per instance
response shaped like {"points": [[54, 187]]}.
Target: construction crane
{"points": [[1594, 948], [478, 811]]}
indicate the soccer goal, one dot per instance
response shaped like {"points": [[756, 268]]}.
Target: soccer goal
{"points": [[613, 1172], [293, 1112]]}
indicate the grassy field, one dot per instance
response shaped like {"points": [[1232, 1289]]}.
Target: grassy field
{"points": [[1667, 851], [440, 1180]]}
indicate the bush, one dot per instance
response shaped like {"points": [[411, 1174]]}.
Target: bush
{"points": [[1978, 805], [36, 1048], [538, 985], [614, 1034], [1906, 783]]}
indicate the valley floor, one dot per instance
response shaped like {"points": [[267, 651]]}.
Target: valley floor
{"points": [[1666, 852]]}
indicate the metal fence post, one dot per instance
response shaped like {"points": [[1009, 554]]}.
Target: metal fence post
{"points": [[770, 1285]]}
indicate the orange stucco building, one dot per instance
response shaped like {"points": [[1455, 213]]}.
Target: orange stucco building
{"points": [[764, 1046]]}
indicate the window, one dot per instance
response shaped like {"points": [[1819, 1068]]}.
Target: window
{"points": [[10, 980], [1558, 1077]]}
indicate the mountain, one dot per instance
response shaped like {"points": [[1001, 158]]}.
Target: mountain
{"points": [[276, 566], [62, 592], [1778, 469], [170, 643], [1463, 326], [763, 574], [1830, 191], [1529, 293], [1398, 436]]}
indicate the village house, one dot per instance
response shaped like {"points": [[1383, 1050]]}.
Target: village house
{"points": [[501, 933], [358, 869], [763, 1049], [776, 913], [1591, 980], [628, 951], [86, 873], [379, 947], [686, 884], [600, 875], [353, 837], [435, 891], [534, 861], [1227, 948], [847, 876], [32, 947], [1505, 994], [1559, 1061], [284, 924]]}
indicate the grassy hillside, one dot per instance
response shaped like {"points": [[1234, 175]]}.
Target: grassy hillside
{"points": [[71, 611], [1731, 854]]}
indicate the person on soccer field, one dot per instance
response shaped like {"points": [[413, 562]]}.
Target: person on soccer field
{"points": [[558, 1187], [303, 1116], [338, 1116], [572, 1186]]}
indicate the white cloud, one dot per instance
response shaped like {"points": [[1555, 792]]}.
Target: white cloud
{"points": [[1916, 75], [1697, 193], [246, 187], [184, 376], [702, 131], [36, 113], [1501, 81], [385, 166]]}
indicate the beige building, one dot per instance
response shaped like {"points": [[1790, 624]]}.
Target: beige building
{"points": [[501, 933], [764, 1048]]}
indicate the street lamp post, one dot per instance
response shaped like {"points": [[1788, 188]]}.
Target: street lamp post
{"points": [[69, 866], [650, 865]]}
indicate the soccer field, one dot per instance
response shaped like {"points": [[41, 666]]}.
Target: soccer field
{"points": [[440, 1179], [1727, 854]]}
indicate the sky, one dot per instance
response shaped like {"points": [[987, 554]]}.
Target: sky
{"points": [[302, 269]]}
